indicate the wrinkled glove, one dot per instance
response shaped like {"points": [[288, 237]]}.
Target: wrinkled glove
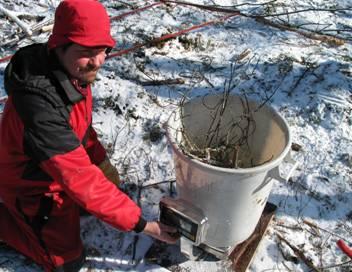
{"points": [[110, 171]]}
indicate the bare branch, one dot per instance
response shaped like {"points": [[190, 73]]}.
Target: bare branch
{"points": [[14, 18], [170, 81], [306, 10], [311, 224], [332, 40], [299, 253]]}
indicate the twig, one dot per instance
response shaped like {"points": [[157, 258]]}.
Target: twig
{"points": [[43, 26], [170, 81], [243, 55], [299, 254], [21, 24], [170, 36], [338, 30], [236, 151], [311, 35], [207, 80], [189, 143], [289, 227], [126, 4], [157, 183], [204, 7], [307, 10], [298, 81], [254, 4], [287, 255], [47, 28], [272, 94], [285, 265], [121, 16], [311, 224], [336, 265], [216, 123]]}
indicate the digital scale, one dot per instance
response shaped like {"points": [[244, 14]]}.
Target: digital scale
{"points": [[189, 221]]}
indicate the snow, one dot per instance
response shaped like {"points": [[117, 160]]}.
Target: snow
{"points": [[311, 86]]}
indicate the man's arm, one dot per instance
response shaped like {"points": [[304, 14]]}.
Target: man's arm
{"points": [[98, 156], [49, 140]]}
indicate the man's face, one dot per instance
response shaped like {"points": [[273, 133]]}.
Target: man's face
{"points": [[82, 63]]}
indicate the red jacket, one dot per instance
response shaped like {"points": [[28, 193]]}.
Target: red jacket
{"points": [[48, 145]]}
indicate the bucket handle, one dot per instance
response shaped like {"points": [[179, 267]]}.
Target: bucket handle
{"points": [[275, 173]]}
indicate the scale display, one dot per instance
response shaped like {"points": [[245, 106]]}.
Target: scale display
{"points": [[184, 225]]}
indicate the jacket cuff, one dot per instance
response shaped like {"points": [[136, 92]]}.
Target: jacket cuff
{"points": [[139, 227]]}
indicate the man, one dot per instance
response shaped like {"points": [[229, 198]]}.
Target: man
{"points": [[51, 162]]}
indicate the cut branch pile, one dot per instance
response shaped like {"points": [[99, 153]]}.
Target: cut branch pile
{"points": [[25, 31]]}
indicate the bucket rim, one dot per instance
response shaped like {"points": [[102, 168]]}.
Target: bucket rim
{"points": [[251, 170]]}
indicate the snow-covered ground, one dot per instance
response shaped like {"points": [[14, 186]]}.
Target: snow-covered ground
{"points": [[311, 86]]}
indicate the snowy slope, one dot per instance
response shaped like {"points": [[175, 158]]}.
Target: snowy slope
{"points": [[310, 83]]}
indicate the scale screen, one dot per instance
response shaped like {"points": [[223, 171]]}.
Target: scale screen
{"points": [[184, 225]]}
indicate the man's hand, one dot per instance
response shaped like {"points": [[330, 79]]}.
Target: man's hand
{"points": [[110, 172], [161, 232]]}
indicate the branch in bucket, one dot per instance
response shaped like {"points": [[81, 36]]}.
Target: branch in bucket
{"points": [[225, 142]]}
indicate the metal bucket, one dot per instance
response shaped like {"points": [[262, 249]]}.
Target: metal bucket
{"points": [[231, 199]]}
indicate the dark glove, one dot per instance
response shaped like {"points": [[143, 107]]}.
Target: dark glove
{"points": [[110, 171]]}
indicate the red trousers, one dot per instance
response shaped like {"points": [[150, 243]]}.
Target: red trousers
{"points": [[59, 239]]}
